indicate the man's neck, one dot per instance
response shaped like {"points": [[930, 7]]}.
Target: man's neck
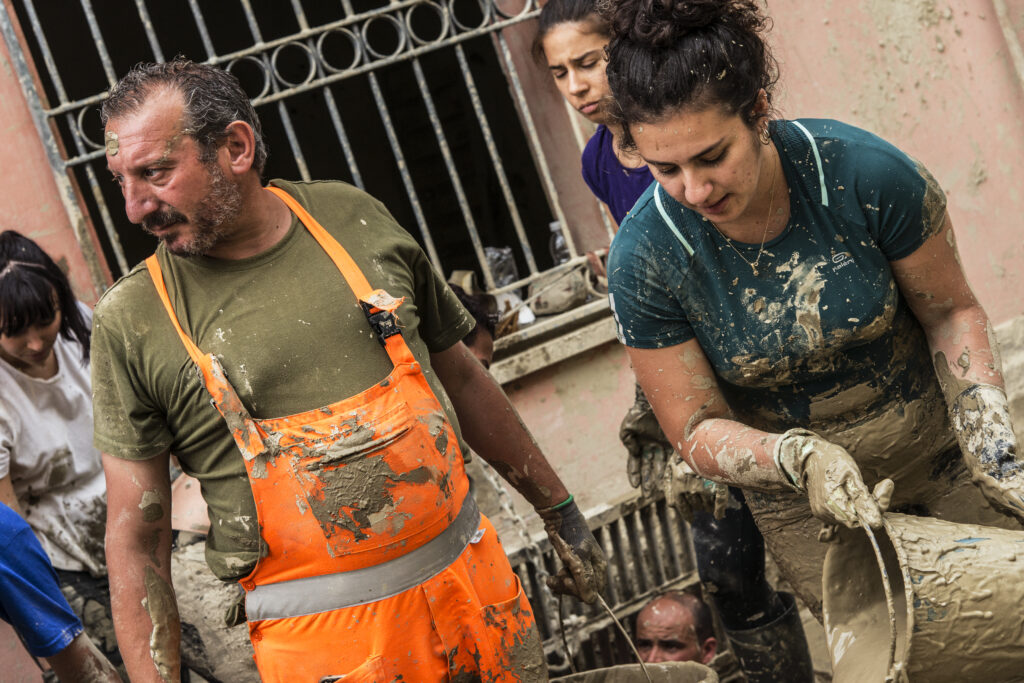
{"points": [[261, 225]]}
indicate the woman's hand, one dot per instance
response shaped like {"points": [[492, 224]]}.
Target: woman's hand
{"points": [[830, 477], [981, 420]]}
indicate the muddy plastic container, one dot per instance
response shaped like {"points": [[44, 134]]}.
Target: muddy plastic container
{"points": [[667, 672], [956, 611]]}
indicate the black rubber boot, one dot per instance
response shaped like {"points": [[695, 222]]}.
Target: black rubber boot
{"points": [[775, 652]]}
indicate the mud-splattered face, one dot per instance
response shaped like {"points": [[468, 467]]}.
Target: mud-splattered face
{"points": [[575, 55], [168, 190], [31, 348], [709, 160], [665, 633]]}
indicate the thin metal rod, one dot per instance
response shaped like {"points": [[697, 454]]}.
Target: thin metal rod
{"points": [[453, 173], [101, 205], [97, 39], [539, 155], [496, 163], [147, 26], [204, 34], [403, 169], [44, 48]]}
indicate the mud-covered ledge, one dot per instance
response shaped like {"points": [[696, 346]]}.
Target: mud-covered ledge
{"points": [[553, 340]]}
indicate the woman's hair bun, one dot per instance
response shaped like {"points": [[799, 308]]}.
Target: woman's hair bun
{"points": [[662, 23]]}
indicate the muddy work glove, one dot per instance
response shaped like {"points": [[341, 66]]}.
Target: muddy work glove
{"points": [[981, 420], [688, 492], [830, 478], [583, 562], [649, 450]]}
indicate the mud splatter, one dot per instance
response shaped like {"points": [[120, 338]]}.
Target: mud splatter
{"points": [[61, 467], [163, 613], [151, 506]]}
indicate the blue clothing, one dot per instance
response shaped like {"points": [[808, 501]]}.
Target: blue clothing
{"points": [[824, 316], [30, 597], [610, 181]]}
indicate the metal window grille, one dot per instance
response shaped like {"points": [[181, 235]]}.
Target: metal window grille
{"points": [[649, 552], [420, 102]]}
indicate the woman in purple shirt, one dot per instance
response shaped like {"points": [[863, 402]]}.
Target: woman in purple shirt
{"points": [[571, 41], [764, 627]]}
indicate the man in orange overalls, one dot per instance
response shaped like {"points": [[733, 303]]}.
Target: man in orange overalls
{"points": [[292, 346]]}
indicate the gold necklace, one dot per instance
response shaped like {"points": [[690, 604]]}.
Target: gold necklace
{"points": [[767, 221]]}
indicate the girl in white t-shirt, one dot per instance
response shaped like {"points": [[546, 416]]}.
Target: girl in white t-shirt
{"points": [[50, 473]]}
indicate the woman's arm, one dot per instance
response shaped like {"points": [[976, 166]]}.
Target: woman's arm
{"points": [[681, 386], [966, 360]]}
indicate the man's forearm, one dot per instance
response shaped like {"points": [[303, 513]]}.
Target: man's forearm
{"points": [[138, 548], [493, 428], [145, 612]]}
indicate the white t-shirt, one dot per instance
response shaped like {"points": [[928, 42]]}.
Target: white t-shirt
{"points": [[46, 447]]}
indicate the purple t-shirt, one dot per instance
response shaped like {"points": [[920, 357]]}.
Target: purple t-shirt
{"points": [[611, 182]]}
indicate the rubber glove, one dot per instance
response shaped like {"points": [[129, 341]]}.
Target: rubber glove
{"points": [[981, 420], [583, 562], [830, 478], [688, 492], [649, 450]]}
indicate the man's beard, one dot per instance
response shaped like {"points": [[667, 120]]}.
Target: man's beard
{"points": [[222, 203]]}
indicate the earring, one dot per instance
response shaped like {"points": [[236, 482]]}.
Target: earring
{"points": [[764, 135]]}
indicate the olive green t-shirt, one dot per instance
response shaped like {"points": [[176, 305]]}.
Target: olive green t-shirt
{"points": [[289, 332]]}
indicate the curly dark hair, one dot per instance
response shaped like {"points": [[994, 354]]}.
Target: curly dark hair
{"points": [[669, 54], [213, 99], [557, 12], [33, 288]]}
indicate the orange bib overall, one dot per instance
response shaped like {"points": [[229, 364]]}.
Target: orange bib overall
{"points": [[376, 564]]}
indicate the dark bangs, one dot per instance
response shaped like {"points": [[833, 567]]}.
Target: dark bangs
{"points": [[33, 288]]}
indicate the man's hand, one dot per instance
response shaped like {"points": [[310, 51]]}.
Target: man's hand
{"points": [[649, 450], [830, 477], [981, 420], [583, 562], [688, 492]]}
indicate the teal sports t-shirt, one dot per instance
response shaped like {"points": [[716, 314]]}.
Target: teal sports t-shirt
{"points": [[822, 337]]}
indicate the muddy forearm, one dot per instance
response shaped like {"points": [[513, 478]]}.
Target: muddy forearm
{"points": [[138, 546], [729, 452], [493, 428], [964, 352]]}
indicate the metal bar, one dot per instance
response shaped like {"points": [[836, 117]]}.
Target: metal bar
{"points": [[499, 167], [101, 205], [204, 34], [403, 169], [97, 39], [147, 26], [65, 188], [453, 173], [531, 130], [44, 48]]}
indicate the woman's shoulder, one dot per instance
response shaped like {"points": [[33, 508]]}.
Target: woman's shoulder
{"points": [[841, 149], [656, 226]]}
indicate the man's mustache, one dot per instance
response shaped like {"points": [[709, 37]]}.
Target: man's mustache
{"points": [[161, 219]]}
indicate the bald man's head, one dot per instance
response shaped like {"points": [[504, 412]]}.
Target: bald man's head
{"points": [[676, 627]]}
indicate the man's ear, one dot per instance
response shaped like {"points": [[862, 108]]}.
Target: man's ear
{"points": [[708, 650], [240, 143]]}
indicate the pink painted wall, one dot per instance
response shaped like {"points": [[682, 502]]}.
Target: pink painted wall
{"points": [[939, 83], [29, 200]]}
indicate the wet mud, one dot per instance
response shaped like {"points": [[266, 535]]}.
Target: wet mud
{"points": [[163, 613], [957, 591]]}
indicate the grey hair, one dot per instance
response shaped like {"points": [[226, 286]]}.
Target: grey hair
{"points": [[213, 99]]}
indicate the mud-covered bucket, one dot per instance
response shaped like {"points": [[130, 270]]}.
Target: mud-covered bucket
{"points": [[665, 672], [956, 611]]}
